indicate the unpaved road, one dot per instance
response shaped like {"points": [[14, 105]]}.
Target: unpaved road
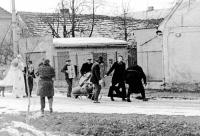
{"points": [[10, 104]]}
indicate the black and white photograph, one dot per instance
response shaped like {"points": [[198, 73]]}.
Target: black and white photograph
{"points": [[99, 67]]}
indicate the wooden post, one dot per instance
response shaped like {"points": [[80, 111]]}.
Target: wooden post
{"points": [[14, 29]]}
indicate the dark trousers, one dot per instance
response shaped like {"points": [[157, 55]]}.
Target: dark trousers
{"points": [[69, 83], [42, 102], [131, 90], [30, 85], [119, 93], [97, 89]]}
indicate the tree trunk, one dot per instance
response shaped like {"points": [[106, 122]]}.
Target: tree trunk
{"points": [[73, 19], [92, 20]]}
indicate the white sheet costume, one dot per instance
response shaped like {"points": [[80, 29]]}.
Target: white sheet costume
{"points": [[15, 77]]}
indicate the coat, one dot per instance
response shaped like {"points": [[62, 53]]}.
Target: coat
{"points": [[86, 67], [95, 73], [45, 84], [133, 77], [118, 72]]}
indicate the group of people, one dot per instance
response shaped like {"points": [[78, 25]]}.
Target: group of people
{"points": [[131, 76], [18, 74]]}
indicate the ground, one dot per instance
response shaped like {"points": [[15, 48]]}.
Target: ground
{"points": [[164, 114]]}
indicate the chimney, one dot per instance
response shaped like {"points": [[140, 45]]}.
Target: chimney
{"points": [[64, 11], [151, 8]]}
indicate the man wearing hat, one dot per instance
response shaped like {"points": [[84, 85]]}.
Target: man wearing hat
{"points": [[46, 87], [31, 75], [68, 69], [86, 67], [96, 79]]}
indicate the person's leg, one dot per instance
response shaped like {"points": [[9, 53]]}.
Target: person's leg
{"points": [[143, 94], [50, 99], [42, 102], [30, 84], [3, 89], [123, 91], [69, 82], [97, 89]]}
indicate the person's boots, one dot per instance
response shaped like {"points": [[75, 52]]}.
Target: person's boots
{"points": [[145, 99], [128, 100], [112, 99], [123, 99], [50, 105]]}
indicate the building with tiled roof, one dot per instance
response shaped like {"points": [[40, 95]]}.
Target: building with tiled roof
{"points": [[105, 26]]}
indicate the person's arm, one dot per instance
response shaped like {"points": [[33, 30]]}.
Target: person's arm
{"points": [[143, 76], [64, 69], [111, 69], [82, 70], [97, 72]]}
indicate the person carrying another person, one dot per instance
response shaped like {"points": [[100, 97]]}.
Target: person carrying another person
{"points": [[96, 79], [133, 77], [86, 67], [119, 68]]}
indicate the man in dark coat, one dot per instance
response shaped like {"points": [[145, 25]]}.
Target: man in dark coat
{"points": [[67, 78], [31, 76], [86, 67], [119, 67], [46, 87], [133, 77], [96, 79]]}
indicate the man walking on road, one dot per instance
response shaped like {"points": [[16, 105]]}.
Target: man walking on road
{"points": [[96, 79]]}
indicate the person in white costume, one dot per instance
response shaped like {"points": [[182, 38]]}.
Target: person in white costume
{"points": [[15, 77]]}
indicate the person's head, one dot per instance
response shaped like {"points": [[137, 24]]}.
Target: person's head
{"points": [[68, 61], [89, 60], [120, 58], [30, 62], [46, 62], [19, 56], [100, 60]]}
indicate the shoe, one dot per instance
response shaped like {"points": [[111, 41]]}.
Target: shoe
{"points": [[51, 110], [123, 99], [145, 99], [96, 102], [112, 99], [128, 100], [42, 112]]}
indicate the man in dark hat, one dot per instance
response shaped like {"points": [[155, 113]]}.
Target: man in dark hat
{"points": [[96, 79], [86, 67], [31, 75], [46, 87], [133, 77], [68, 76]]}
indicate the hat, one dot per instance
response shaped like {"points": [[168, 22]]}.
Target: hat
{"points": [[30, 62], [68, 60], [89, 58], [46, 61], [100, 59]]}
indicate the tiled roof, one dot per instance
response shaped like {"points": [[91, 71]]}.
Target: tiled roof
{"points": [[105, 26], [5, 14]]}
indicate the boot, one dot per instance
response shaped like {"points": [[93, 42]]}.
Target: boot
{"points": [[128, 100], [50, 104], [112, 99], [123, 99]]}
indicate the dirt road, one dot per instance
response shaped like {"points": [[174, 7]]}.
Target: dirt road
{"points": [[9, 104]]}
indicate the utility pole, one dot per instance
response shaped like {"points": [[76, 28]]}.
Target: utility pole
{"points": [[14, 29]]}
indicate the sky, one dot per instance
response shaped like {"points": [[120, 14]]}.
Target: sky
{"points": [[108, 9]]}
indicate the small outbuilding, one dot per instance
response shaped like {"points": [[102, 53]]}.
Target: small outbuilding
{"points": [[79, 49]]}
